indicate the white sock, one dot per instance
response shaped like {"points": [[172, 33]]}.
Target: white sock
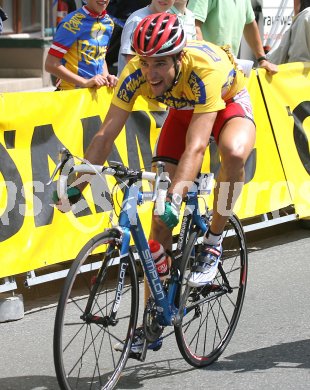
{"points": [[212, 239]]}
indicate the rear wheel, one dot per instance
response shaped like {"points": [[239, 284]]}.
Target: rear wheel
{"points": [[94, 313], [212, 311]]}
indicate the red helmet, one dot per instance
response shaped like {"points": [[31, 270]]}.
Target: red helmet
{"points": [[159, 35]]}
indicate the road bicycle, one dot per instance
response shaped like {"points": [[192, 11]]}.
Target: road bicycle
{"points": [[99, 302]]}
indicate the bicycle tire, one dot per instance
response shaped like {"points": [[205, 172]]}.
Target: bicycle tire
{"points": [[203, 336], [84, 356]]}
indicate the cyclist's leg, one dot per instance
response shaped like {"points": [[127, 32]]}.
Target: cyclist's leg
{"points": [[159, 231], [169, 151], [234, 131], [235, 139], [169, 148]]}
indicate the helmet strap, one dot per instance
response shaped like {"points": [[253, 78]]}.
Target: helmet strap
{"points": [[177, 68]]}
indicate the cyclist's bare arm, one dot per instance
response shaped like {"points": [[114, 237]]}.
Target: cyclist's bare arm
{"points": [[101, 145], [197, 139]]}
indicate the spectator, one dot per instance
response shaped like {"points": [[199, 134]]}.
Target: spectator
{"points": [[296, 6], [125, 52], [64, 7], [71, 5], [77, 54], [187, 17], [3, 17], [122, 9], [223, 22], [295, 44], [119, 11]]}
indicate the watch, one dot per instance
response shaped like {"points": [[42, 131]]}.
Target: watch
{"points": [[262, 58]]}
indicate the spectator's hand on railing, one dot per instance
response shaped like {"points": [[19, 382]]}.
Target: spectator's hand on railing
{"points": [[269, 66], [99, 81], [112, 80]]}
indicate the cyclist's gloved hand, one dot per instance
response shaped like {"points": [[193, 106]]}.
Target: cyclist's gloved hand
{"points": [[73, 193], [171, 215]]}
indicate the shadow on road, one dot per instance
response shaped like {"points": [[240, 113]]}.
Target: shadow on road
{"points": [[276, 235], [286, 355], [39, 382], [135, 376]]}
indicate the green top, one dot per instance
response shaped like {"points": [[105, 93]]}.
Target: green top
{"points": [[223, 20]]}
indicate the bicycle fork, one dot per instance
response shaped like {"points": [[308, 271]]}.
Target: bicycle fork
{"points": [[108, 320]]}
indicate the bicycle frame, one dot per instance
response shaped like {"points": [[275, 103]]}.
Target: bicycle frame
{"points": [[98, 309], [130, 224]]}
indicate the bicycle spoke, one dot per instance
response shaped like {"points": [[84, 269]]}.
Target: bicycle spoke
{"points": [[85, 329], [217, 305]]}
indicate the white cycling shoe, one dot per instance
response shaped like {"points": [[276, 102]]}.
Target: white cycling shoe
{"points": [[205, 268]]}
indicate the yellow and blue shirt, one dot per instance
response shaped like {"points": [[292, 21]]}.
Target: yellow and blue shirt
{"points": [[81, 41], [208, 78]]}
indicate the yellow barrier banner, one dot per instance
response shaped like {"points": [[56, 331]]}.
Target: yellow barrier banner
{"points": [[287, 95], [34, 127], [265, 188]]}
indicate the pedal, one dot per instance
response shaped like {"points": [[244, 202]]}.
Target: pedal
{"points": [[136, 356], [144, 350]]}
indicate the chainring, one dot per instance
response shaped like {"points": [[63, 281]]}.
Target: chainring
{"points": [[151, 327]]}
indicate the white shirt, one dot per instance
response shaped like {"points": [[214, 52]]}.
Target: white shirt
{"points": [[130, 25], [295, 44]]}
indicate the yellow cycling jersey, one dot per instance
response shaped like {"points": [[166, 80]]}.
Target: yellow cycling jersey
{"points": [[208, 78]]}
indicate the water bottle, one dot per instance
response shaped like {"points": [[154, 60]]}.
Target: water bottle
{"points": [[160, 258]]}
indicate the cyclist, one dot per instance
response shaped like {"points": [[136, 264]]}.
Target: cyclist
{"points": [[204, 90]]}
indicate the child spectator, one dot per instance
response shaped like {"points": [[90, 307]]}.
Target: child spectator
{"points": [[125, 52], [187, 17], [77, 54]]}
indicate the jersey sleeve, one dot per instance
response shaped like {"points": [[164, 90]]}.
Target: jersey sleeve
{"points": [[250, 15], [129, 87], [209, 98], [63, 40], [200, 9], [207, 89]]}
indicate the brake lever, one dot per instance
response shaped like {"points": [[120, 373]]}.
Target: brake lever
{"points": [[58, 167], [64, 156]]}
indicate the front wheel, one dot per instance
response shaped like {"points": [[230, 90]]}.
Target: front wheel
{"points": [[97, 309], [212, 311]]}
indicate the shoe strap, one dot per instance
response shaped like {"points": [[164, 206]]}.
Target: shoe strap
{"points": [[209, 253]]}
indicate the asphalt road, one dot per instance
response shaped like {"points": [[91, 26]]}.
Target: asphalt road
{"points": [[269, 350]]}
